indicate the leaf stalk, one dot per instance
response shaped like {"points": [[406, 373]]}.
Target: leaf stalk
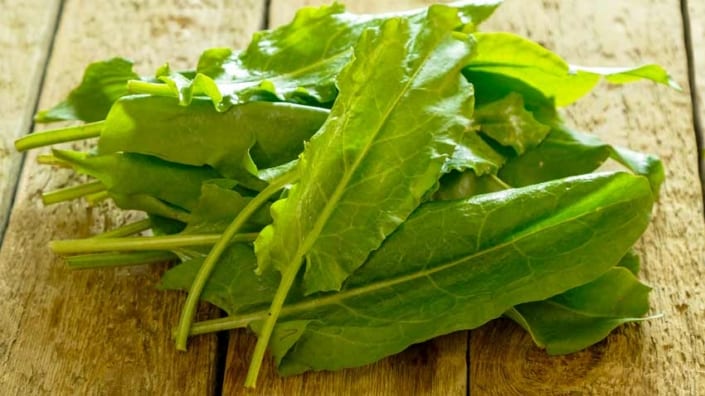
{"points": [[108, 260], [144, 87], [61, 135], [127, 229], [189, 310], [167, 242], [69, 193]]}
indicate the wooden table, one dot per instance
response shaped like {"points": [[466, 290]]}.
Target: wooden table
{"points": [[107, 332]]}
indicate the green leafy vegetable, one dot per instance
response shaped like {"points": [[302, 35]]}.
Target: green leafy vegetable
{"points": [[519, 58], [424, 106], [565, 152], [172, 183], [233, 286], [235, 142], [507, 122], [490, 256], [472, 152], [350, 147], [218, 204], [298, 62], [103, 83], [585, 315], [441, 190]]}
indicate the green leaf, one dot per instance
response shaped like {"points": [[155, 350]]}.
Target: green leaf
{"points": [[380, 151], [472, 152], [103, 83], [460, 185], [300, 61], [453, 265], [218, 205], [233, 286], [521, 59], [503, 117], [631, 262], [565, 152], [377, 156], [474, 12], [510, 124], [493, 252], [129, 174], [580, 317], [623, 75], [164, 226], [309, 52], [647, 165], [185, 88], [491, 87], [235, 142], [214, 62], [151, 205]]}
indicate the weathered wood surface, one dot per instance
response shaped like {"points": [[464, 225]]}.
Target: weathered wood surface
{"points": [[25, 34], [107, 332], [99, 332], [433, 368]]}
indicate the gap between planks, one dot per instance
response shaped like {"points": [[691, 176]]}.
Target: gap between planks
{"points": [[694, 98], [7, 202]]}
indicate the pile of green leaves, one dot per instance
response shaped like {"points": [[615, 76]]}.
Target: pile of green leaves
{"points": [[349, 185]]}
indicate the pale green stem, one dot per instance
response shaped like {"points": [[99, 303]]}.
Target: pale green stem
{"points": [[500, 182], [61, 135], [105, 260], [96, 198], [144, 87], [189, 310], [167, 242], [49, 159], [226, 323], [127, 229], [69, 193], [287, 280]]}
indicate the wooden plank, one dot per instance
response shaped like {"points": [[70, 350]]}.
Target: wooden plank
{"points": [[660, 356], [282, 11], [107, 331], [433, 368], [26, 29]]}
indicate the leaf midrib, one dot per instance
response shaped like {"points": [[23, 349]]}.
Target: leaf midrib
{"points": [[331, 204], [582, 312], [487, 64], [340, 297]]}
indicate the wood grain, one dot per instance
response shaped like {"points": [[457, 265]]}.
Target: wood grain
{"points": [[660, 356], [26, 30], [283, 11], [107, 332], [432, 368], [102, 332]]}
